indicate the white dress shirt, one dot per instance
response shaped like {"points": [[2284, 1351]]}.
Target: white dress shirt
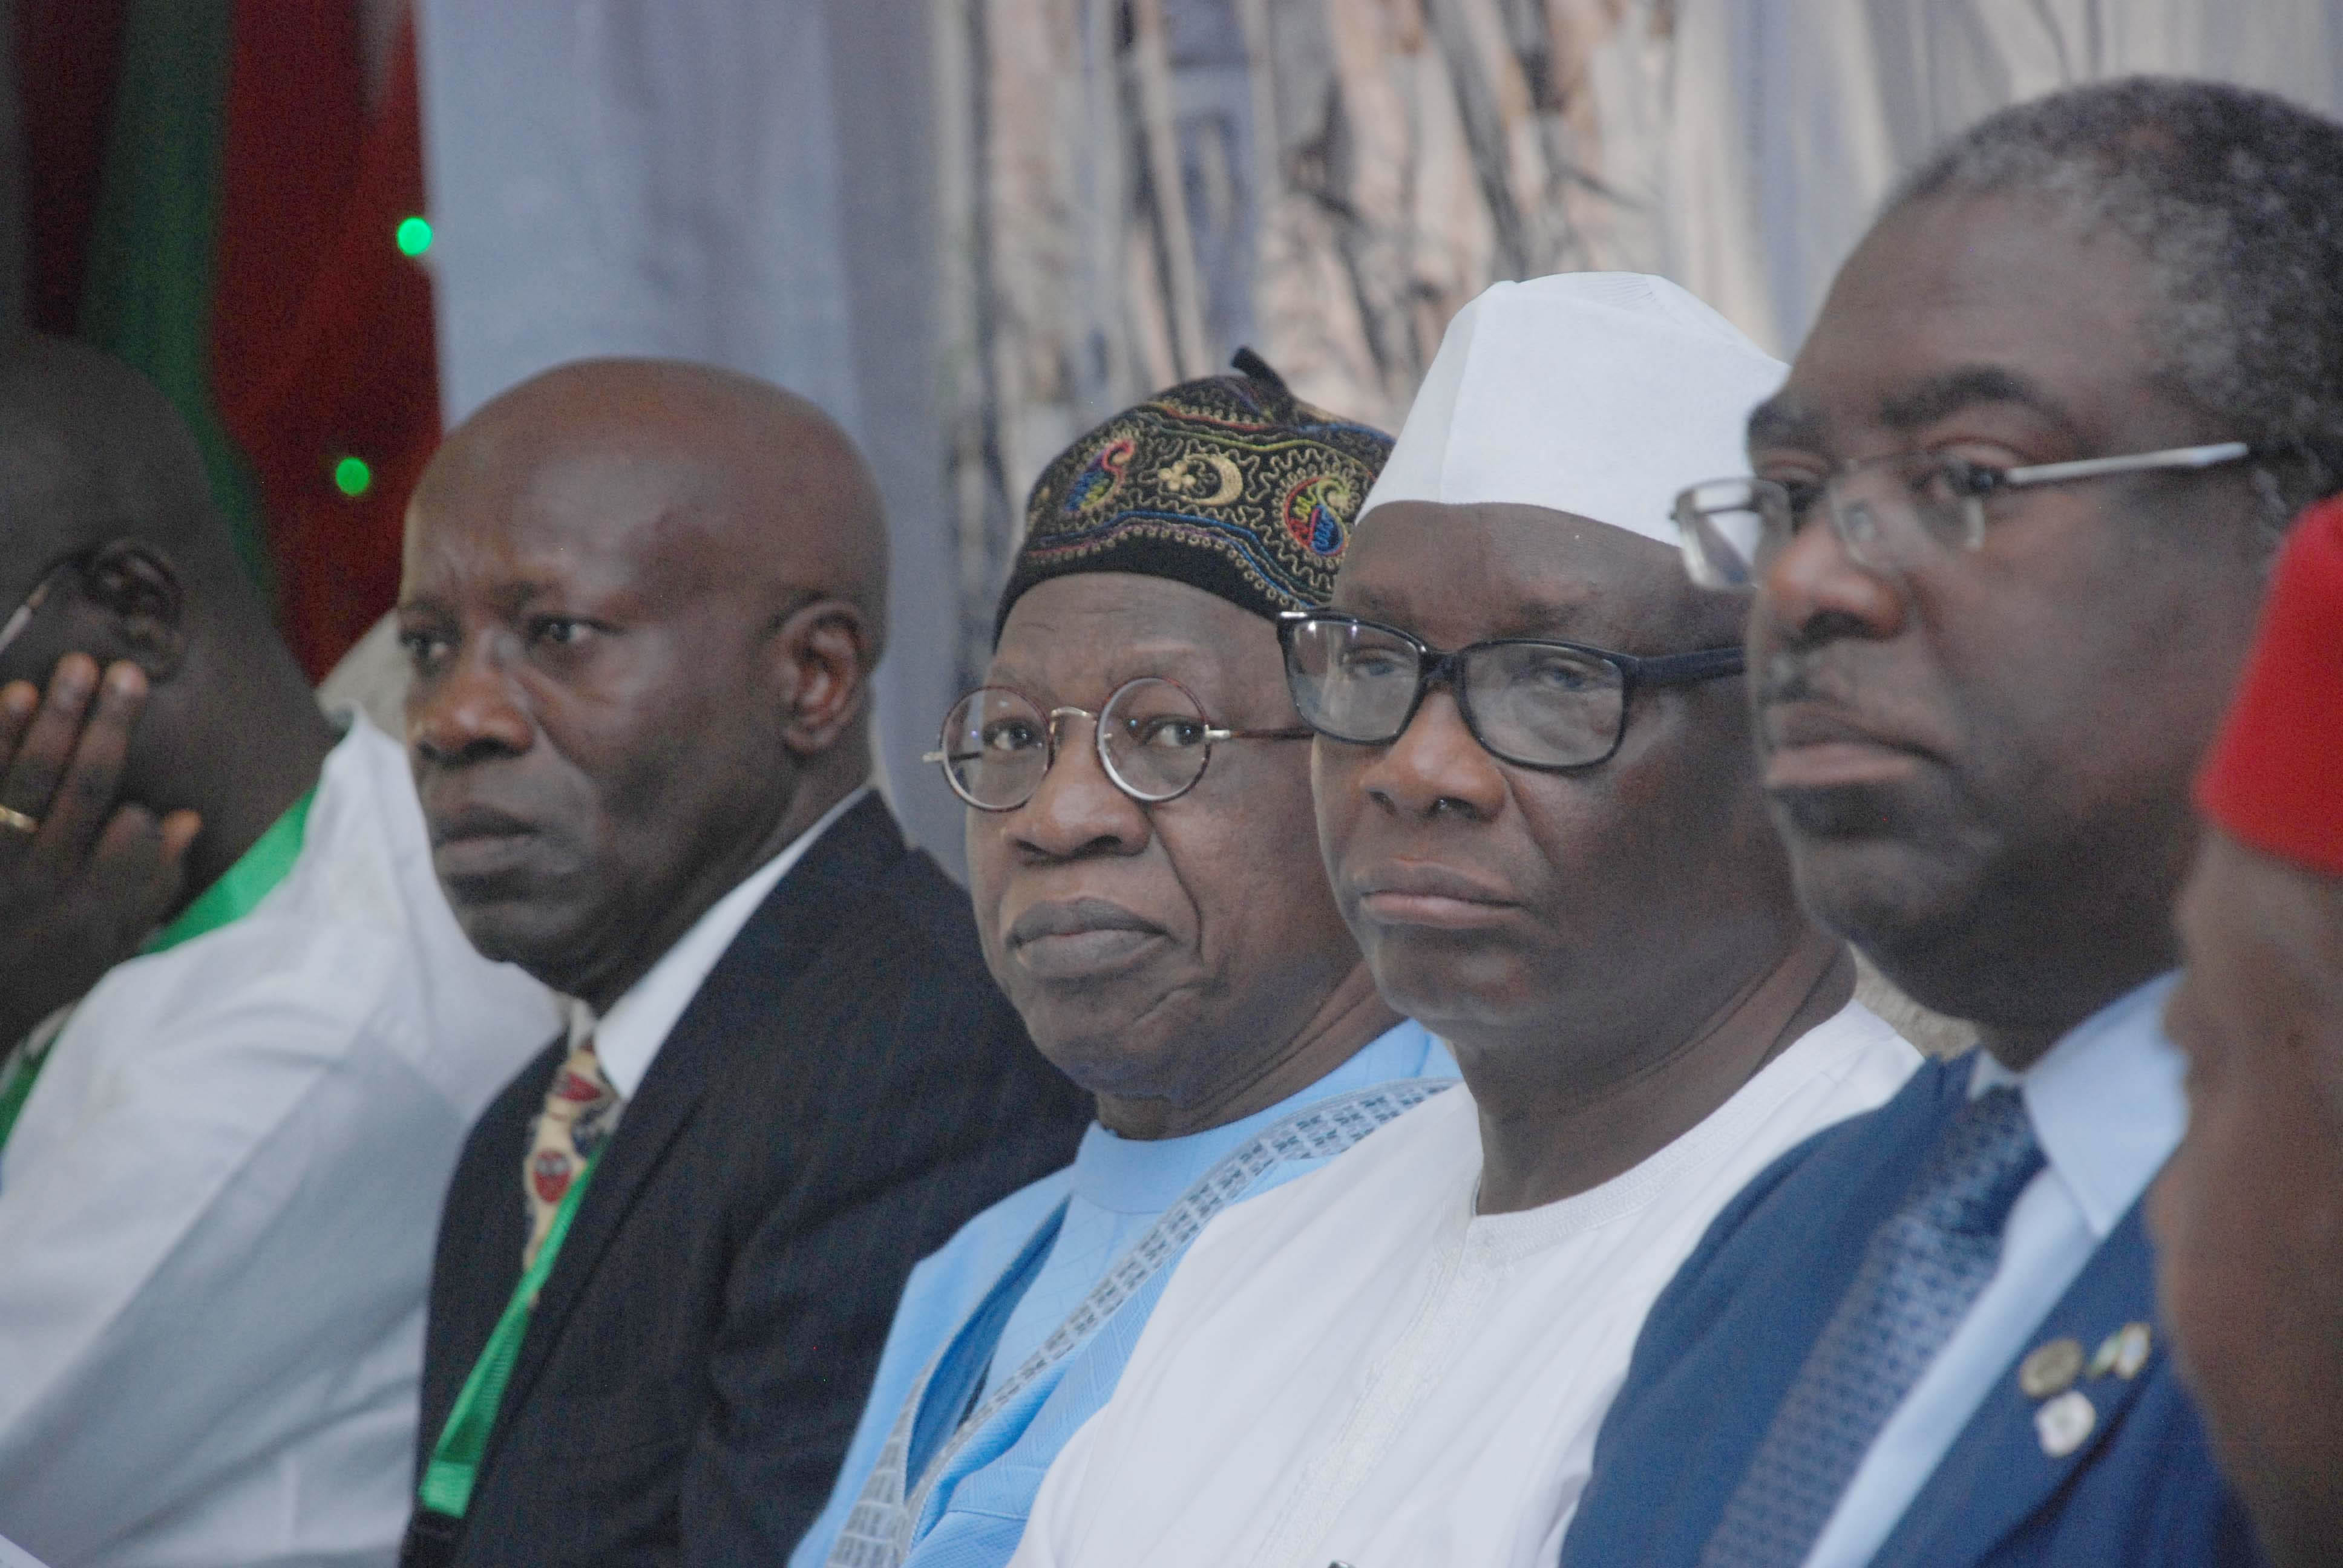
{"points": [[1357, 1367], [218, 1208], [2108, 1110], [627, 1037]]}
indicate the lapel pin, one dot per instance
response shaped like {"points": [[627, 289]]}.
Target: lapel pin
{"points": [[2102, 1360], [2065, 1422], [2131, 1349], [2050, 1368]]}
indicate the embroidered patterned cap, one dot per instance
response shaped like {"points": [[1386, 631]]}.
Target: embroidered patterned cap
{"points": [[1230, 484]]}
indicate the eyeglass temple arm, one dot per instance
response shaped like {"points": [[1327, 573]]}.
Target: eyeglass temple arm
{"points": [[2208, 456], [22, 617], [1684, 669]]}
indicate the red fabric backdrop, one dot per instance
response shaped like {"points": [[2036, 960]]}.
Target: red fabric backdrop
{"points": [[320, 329]]}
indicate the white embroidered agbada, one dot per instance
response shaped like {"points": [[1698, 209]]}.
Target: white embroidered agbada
{"points": [[1355, 1368], [1358, 1369]]}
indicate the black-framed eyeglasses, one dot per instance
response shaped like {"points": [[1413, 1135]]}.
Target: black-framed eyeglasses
{"points": [[1551, 706], [30, 605], [1888, 512], [1153, 737]]}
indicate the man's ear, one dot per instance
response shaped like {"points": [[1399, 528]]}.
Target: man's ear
{"points": [[827, 645], [135, 588]]}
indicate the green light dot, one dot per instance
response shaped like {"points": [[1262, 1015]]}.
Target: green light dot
{"points": [[414, 235], [352, 476]]}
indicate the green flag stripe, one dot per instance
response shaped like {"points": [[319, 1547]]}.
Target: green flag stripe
{"points": [[147, 296]]}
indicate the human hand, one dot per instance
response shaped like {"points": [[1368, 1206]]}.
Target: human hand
{"points": [[83, 877]]}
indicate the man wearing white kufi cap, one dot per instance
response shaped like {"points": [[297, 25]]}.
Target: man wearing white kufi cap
{"points": [[1539, 809]]}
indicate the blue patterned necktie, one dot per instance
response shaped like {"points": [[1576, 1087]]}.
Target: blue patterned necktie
{"points": [[1922, 1271]]}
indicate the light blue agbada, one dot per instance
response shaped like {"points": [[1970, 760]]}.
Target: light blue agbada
{"points": [[1010, 1279]]}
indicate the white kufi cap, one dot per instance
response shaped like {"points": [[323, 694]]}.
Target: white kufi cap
{"points": [[1598, 393]]}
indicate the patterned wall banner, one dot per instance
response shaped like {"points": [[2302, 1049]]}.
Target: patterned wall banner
{"points": [[1130, 189], [1134, 188]]}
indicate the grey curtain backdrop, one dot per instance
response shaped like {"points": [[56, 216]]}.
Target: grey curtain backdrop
{"points": [[970, 228], [744, 182]]}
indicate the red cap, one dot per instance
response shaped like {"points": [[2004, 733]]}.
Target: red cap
{"points": [[2275, 779]]}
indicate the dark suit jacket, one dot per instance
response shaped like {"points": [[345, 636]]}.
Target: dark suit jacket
{"points": [[846, 1088], [1726, 1338]]}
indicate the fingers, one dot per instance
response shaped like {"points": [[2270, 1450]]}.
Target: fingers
{"points": [[136, 870], [19, 700], [85, 797], [40, 758], [179, 830]]}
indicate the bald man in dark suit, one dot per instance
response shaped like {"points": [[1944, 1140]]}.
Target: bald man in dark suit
{"points": [[643, 601]]}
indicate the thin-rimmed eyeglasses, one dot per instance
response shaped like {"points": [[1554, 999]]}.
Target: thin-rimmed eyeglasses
{"points": [[1887, 511], [1153, 738]]}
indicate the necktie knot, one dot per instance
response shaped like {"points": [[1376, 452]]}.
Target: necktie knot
{"points": [[1984, 1160], [581, 1110]]}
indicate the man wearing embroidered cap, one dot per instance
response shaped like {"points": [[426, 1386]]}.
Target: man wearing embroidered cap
{"points": [[1147, 885], [2249, 1260], [1540, 817]]}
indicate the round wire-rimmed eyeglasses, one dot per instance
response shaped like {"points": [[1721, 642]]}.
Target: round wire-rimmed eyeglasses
{"points": [[1153, 738], [1554, 707], [1888, 511]]}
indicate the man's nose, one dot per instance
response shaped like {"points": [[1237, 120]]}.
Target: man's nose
{"points": [[1076, 809], [1815, 590], [1435, 764], [469, 712]]}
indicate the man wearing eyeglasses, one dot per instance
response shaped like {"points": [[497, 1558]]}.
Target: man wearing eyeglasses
{"points": [[221, 1150], [2009, 537], [1540, 817], [1147, 884]]}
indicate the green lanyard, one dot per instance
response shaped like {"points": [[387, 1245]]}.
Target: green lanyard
{"points": [[16, 1083], [455, 1458], [237, 894]]}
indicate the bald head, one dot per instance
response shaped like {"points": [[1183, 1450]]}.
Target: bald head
{"points": [[760, 473], [641, 601], [91, 452], [108, 509]]}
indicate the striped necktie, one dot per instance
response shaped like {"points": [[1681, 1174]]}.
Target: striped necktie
{"points": [[581, 1110], [1921, 1272]]}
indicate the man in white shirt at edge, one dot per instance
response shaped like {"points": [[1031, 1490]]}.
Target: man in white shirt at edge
{"points": [[219, 1179], [1557, 857]]}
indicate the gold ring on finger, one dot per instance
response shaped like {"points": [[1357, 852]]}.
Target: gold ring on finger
{"points": [[27, 825]]}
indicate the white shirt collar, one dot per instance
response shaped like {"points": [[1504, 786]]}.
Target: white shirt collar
{"points": [[2106, 1102], [627, 1037]]}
